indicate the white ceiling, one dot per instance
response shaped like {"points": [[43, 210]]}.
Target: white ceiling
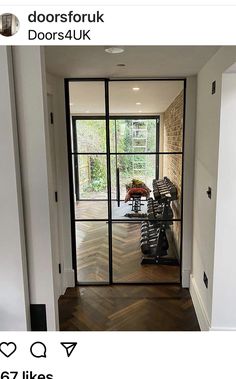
{"points": [[140, 61], [154, 97]]}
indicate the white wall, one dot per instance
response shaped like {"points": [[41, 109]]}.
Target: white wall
{"points": [[14, 299], [206, 168], [55, 87], [224, 285], [30, 85]]}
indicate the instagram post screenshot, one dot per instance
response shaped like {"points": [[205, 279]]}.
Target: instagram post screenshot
{"points": [[117, 190]]}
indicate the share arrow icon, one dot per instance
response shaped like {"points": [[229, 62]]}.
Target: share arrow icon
{"points": [[69, 346]]}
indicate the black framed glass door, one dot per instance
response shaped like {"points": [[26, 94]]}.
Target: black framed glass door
{"points": [[107, 151], [88, 167]]}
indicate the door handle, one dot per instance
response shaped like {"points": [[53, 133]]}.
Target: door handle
{"points": [[118, 186]]}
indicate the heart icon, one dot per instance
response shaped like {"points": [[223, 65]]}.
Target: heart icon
{"points": [[7, 348]]}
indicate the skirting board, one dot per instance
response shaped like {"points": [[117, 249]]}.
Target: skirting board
{"points": [[222, 329], [198, 305]]}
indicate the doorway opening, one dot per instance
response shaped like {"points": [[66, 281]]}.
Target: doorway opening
{"points": [[125, 145]]}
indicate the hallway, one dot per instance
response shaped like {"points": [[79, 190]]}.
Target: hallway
{"points": [[56, 229], [127, 308]]}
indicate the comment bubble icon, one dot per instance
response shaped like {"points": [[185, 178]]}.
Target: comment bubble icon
{"points": [[38, 350]]}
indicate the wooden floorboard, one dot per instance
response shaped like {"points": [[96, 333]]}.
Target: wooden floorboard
{"points": [[127, 308], [93, 257]]}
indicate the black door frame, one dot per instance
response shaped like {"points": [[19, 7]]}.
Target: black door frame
{"points": [[109, 199]]}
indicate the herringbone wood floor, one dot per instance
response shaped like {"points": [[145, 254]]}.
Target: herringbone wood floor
{"points": [[92, 250], [127, 308], [92, 255]]}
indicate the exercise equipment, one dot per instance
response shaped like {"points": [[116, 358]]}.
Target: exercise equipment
{"points": [[164, 189], [154, 245], [134, 193], [136, 203], [157, 212], [153, 241]]}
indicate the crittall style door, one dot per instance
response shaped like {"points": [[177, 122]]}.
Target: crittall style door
{"points": [[111, 144]]}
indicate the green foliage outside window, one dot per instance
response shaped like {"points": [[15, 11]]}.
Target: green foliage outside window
{"points": [[91, 138]]}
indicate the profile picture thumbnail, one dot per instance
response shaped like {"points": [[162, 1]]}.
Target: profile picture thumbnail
{"points": [[9, 24]]}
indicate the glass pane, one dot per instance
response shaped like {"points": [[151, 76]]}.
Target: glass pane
{"points": [[171, 126], [146, 253], [130, 209], [89, 136], [114, 165], [162, 203], [90, 177], [163, 98], [170, 166], [139, 167], [87, 98], [91, 209], [133, 136], [92, 252]]}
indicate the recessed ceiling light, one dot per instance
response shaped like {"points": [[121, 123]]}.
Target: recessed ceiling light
{"points": [[138, 103], [140, 111], [87, 111], [136, 88], [114, 50]]}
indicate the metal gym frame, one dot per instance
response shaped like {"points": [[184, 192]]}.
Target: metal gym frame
{"points": [[109, 200]]}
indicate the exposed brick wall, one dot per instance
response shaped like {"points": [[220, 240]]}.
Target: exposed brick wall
{"points": [[172, 164]]}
